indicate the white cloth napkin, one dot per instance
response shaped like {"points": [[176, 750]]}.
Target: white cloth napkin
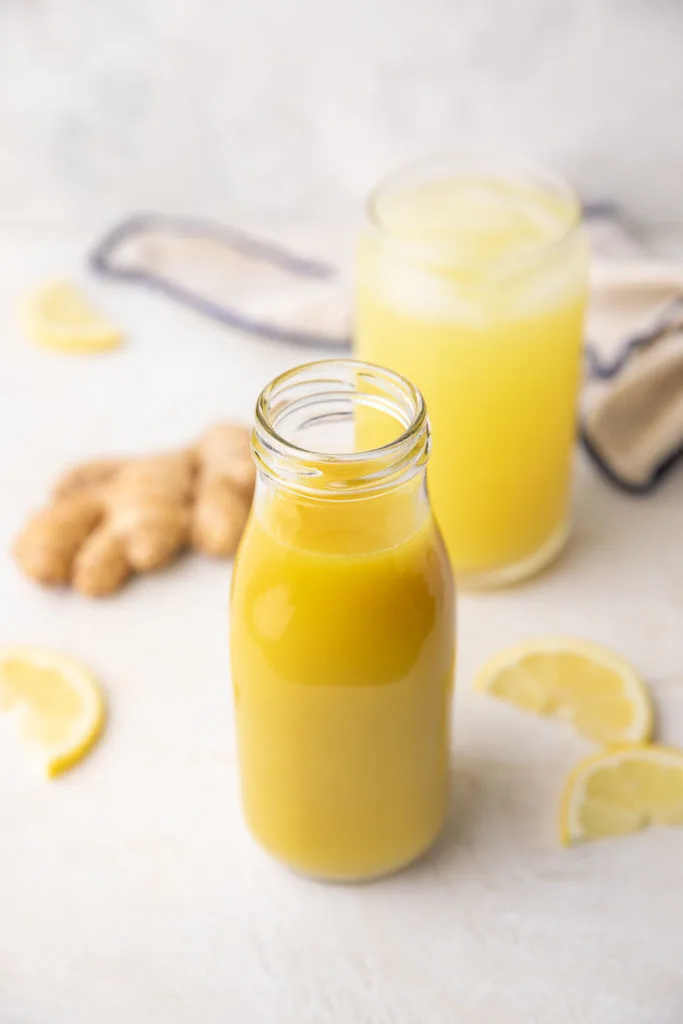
{"points": [[258, 286], [632, 401]]}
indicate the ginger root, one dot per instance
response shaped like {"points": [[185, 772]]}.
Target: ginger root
{"points": [[112, 518], [49, 543], [146, 523], [85, 476], [225, 486], [224, 453], [102, 565]]}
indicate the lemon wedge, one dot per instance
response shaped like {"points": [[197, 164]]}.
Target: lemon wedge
{"points": [[58, 702], [59, 316], [597, 691], [621, 791]]}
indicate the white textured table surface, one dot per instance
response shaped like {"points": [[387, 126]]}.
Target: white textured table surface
{"points": [[129, 890]]}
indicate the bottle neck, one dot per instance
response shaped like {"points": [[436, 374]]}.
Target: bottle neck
{"points": [[341, 449], [352, 526]]}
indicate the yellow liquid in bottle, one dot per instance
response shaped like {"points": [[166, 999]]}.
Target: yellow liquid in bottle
{"points": [[342, 647]]}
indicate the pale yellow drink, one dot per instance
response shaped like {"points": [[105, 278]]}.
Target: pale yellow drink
{"points": [[473, 285]]}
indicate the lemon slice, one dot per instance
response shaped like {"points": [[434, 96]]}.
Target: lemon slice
{"points": [[58, 315], [622, 790], [59, 704], [597, 691]]}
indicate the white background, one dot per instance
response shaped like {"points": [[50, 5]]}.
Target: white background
{"points": [[294, 107]]}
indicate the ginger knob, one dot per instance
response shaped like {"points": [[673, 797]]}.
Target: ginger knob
{"points": [[48, 544], [220, 515], [225, 484], [87, 476], [148, 509], [101, 565], [224, 453]]}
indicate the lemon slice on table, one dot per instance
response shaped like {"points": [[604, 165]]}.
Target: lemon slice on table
{"points": [[597, 691], [59, 316], [58, 702], [622, 790]]}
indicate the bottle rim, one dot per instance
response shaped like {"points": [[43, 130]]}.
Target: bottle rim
{"points": [[306, 390]]}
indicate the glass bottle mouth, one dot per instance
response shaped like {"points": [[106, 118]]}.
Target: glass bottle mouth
{"points": [[540, 195], [340, 428]]}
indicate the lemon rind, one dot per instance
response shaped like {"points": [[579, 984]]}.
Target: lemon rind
{"points": [[637, 691], [53, 761], [573, 794], [95, 336]]}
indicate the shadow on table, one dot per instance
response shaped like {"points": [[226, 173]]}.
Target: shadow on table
{"points": [[487, 816]]}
